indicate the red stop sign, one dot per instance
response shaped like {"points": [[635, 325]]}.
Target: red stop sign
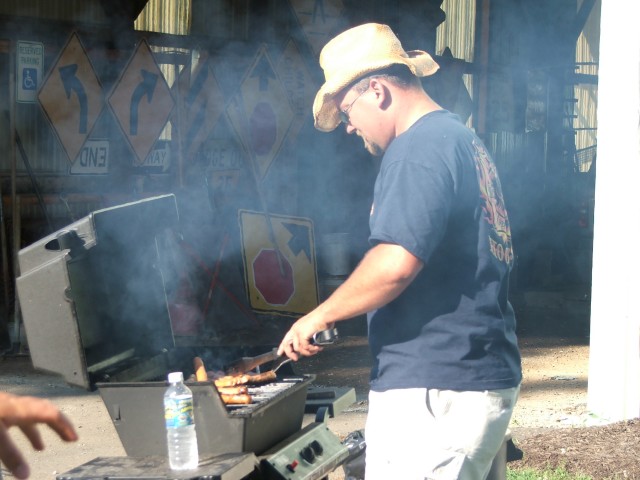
{"points": [[264, 128], [275, 286]]}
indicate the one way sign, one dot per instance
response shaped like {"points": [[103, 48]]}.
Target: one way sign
{"points": [[71, 97]]}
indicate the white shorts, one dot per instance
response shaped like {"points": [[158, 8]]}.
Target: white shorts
{"points": [[419, 433]]}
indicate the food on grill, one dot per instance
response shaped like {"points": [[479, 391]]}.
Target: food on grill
{"points": [[239, 390], [240, 399], [245, 379], [201, 373], [231, 381], [232, 388], [268, 376]]}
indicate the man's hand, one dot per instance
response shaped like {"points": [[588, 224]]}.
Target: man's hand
{"points": [[25, 413], [298, 342]]}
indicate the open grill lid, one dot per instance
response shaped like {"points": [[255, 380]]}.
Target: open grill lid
{"points": [[93, 296]]}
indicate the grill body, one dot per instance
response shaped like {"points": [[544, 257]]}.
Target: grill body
{"points": [[137, 413], [95, 310], [92, 294]]}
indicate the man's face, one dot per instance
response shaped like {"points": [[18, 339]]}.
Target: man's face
{"points": [[372, 147], [354, 106]]}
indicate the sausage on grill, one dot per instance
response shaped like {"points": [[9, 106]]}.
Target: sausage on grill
{"points": [[245, 379], [240, 399], [239, 390], [198, 367]]}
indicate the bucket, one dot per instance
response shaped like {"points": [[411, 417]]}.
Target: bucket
{"points": [[328, 285], [335, 254]]}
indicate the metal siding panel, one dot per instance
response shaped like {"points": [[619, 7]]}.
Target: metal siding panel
{"points": [[587, 57], [68, 10], [41, 147], [458, 33], [165, 16]]}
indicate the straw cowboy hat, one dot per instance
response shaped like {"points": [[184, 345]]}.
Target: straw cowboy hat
{"points": [[355, 53]]}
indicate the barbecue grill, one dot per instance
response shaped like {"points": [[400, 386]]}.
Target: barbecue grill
{"points": [[95, 311]]}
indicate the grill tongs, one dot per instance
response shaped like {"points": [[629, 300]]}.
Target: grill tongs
{"points": [[246, 364]]}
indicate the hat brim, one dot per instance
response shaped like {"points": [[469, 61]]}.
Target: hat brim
{"points": [[326, 115]]}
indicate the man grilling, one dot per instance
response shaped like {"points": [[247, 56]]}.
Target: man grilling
{"points": [[434, 284]]}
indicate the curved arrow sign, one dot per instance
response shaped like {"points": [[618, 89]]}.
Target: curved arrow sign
{"points": [[71, 82], [71, 97], [145, 87], [141, 102]]}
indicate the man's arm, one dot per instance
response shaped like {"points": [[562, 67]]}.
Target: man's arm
{"points": [[26, 412], [384, 272]]}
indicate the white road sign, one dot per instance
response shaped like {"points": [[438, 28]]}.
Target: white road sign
{"points": [[29, 62], [93, 158], [159, 159]]}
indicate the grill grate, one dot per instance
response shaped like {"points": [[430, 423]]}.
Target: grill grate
{"points": [[262, 395]]}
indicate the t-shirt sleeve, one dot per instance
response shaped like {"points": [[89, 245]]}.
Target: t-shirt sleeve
{"points": [[412, 203]]}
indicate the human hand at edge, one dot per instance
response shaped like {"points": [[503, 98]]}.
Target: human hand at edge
{"points": [[26, 412]]}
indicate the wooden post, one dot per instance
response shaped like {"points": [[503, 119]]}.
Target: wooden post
{"points": [[614, 363], [14, 209], [482, 50]]}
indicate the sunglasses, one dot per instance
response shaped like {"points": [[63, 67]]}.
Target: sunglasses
{"points": [[344, 114]]}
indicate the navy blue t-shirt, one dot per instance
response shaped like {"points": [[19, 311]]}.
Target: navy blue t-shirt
{"points": [[438, 195]]}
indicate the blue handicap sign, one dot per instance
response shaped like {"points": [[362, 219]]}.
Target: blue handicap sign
{"points": [[29, 78]]}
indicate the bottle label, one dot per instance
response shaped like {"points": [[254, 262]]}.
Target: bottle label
{"points": [[178, 412]]}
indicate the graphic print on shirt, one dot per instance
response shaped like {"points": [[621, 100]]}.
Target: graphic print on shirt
{"points": [[495, 212]]}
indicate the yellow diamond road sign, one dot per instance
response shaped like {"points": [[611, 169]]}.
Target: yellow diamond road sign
{"points": [[201, 105], [281, 278], [298, 84], [320, 20], [261, 113], [141, 101], [71, 97]]}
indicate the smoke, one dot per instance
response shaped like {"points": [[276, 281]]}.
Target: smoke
{"points": [[241, 137]]}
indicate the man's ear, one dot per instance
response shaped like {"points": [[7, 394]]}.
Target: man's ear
{"points": [[382, 93]]}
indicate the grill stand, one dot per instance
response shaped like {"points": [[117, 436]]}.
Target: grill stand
{"points": [[234, 466], [310, 454]]}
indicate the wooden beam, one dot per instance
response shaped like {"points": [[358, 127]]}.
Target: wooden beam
{"points": [[483, 64], [582, 16]]}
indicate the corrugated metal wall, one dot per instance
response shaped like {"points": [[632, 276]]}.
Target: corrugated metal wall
{"points": [[171, 17], [81, 11], [40, 144], [165, 16], [458, 33], [41, 147], [585, 123]]}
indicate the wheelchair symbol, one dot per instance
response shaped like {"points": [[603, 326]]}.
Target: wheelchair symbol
{"points": [[29, 78]]}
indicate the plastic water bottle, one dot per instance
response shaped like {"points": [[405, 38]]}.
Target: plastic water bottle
{"points": [[182, 443]]}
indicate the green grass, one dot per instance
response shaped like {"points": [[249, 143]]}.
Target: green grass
{"points": [[556, 474]]}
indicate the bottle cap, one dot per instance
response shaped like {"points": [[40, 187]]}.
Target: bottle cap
{"points": [[175, 377]]}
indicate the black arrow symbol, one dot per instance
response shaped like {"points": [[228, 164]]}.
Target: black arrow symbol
{"points": [[264, 72], [299, 239], [198, 121], [318, 6], [72, 83], [192, 95], [196, 86], [145, 87]]}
